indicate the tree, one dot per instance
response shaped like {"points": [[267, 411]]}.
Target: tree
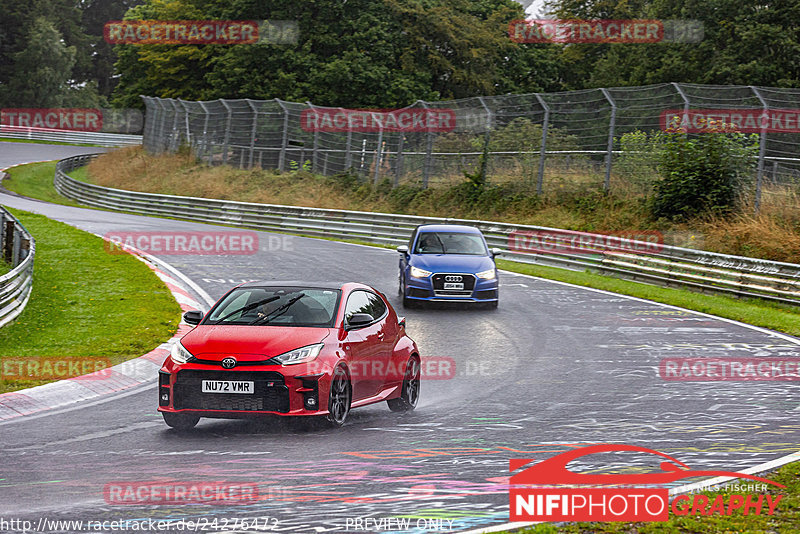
{"points": [[358, 53], [42, 69]]}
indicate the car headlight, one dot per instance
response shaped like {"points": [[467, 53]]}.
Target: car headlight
{"points": [[486, 275], [179, 354], [301, 355], [416, 272]]}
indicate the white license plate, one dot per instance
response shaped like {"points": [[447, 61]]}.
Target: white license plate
{"points": [[229, 386], [453, 285]]}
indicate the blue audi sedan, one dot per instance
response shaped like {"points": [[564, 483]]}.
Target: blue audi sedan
{"points": [[450, 263]]}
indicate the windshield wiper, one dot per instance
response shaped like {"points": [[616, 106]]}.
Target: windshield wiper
{"points": [[280, 310], [439, 239], [249, 307]]}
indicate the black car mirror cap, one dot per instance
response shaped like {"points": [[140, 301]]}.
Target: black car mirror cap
{"points": [[193, 317], [497, 251], [402, 249], [358, 320]]}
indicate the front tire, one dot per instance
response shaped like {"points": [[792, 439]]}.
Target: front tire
{"points": [[180, 421], [339, 398], [409, 394]]}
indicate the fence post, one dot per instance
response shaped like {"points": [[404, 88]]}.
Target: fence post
{"points": [[611, 124], [314, 165], [398, 169], [487, 136], [543, 148], [284, 138], [348, 153], [378, 151], [252, 132], [188, 134], [227, 132], [175, 132], [426, 164], [205, 142], [685, 100], [762, 149], [162, 130]]}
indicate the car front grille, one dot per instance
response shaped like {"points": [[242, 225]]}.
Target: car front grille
{"points": [[439, 280], [271, 393]]}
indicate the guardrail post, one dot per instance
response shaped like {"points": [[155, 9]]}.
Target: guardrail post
{"points": [[8, 241], [762, 149], [252, 132], [611, 124], [543, 148], [24, 248]]}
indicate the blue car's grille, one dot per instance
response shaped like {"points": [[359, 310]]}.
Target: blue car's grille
{"points": [[440, 279]]}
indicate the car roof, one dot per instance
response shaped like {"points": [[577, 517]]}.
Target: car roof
{"points": [[463, 228]]}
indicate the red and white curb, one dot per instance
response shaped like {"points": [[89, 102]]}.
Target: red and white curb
{"points": [[121, 377]]}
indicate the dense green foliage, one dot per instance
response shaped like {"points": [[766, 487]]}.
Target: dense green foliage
{"points": [[359, 53], [701, 174], [52, 53]]}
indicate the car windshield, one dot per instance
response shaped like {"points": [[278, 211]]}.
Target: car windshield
{"points": [[450, 243], [276, 306]]}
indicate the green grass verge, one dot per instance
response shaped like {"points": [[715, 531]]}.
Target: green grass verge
{"points": [[782, 318], [85, 302], [35, 180], [785, 519]]}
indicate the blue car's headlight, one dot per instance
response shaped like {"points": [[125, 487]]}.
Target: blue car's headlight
{"points": [[301, 355], [486, 275], [416, 272]]}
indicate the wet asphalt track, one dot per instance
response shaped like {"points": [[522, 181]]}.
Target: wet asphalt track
{"points": [[552, 367]]}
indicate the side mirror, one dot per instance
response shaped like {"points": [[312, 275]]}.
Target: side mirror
{"points": [[402, 249], [193, 317], [358, 320], [497, 252], [401, 322]]}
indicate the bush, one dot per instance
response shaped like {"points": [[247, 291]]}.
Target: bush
{"points": [[702, 175]]}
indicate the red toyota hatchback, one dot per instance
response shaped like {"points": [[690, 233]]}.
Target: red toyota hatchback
{"points": [[291, 349]]}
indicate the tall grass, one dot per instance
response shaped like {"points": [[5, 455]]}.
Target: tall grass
{"points": [[573, 199]]}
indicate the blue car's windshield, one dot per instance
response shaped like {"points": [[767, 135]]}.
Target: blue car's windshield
{"points": [[450, 243]]}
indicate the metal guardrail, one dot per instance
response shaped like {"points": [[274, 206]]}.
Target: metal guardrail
{"points": [[18, 248], [641, 261], [68, 136]]}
